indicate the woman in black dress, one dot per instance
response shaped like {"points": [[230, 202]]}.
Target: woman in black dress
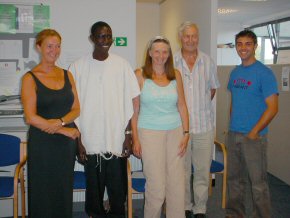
{"points": [[50, 106]]}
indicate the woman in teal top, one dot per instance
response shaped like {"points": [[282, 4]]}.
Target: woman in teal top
{"points": [[160, 131]]}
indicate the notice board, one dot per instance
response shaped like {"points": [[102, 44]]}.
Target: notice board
{"points": [[19, 24]]}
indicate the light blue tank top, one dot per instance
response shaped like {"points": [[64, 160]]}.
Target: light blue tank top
{"points": [[158, 106]]}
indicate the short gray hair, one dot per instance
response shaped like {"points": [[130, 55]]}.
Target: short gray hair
{"points": [[185, 25]]}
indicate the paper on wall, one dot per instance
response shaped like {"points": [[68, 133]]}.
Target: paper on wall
{"points": [[285, 79]]}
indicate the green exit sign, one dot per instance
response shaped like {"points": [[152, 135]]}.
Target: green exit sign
{"points": [[120, 41]]}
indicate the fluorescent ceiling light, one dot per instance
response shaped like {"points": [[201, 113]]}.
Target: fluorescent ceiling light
{"points": [[253, 0], [226, 11]]}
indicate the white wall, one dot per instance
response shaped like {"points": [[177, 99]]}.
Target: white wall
{"points": [[173, 13], [227, 56], [226, 34], [164, 19], [74, 23], [148, 26], [154, 19], [73, 20]]}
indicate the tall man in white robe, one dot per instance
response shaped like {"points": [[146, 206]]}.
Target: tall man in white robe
{"points": [[106, 86]]}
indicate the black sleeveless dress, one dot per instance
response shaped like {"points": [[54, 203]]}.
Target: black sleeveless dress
{"points": [[51, 157]]}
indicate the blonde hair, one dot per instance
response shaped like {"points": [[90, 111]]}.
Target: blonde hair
{"points": [[42, 35]]}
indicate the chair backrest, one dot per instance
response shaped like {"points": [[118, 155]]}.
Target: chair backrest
{"points": [[10, 150], [136, 185], [79, 181], [220, 167], [138, 182]]}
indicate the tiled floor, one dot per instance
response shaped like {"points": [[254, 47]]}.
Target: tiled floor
{"points": [[280, 196]]}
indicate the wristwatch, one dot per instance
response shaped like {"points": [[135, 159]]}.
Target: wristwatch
{"points": [[128, 132], [62, 122], [185, 132]]}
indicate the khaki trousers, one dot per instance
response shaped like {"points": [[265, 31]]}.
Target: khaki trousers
{"points": [[164, 172], [199, 153]]}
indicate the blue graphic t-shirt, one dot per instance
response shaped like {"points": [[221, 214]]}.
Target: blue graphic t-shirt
{"points": [[250, 86]]}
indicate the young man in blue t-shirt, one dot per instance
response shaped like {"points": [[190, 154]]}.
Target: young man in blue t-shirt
{"points": [[254, 103]]}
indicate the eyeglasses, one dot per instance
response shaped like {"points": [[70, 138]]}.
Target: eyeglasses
{"points": [[158, 39], [103, 36]]}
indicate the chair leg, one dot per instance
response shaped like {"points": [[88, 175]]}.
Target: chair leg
{"points": [[22, 194], [210, 185], [23, 211], [129, 203], [129, 197], [224, 190], [15, 202]]}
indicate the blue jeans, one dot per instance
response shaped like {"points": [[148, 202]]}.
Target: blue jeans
{"points": [[247, 162]]}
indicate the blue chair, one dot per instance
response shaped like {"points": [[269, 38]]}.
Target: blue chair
{"points": [[136, 185], [79, 181], [13, 152], [219, 168]]}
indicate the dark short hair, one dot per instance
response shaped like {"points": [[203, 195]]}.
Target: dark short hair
{"points": [[98, 25], [247, 33]]}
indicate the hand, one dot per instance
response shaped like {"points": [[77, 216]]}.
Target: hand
{"points": [[127, 146], [53, 126], [137, 150], [72, 133], [81, 151], [183, 145], [253, 135]]}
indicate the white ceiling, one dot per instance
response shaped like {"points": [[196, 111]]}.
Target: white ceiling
{"points": [[249, 12], [151, 1]]}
